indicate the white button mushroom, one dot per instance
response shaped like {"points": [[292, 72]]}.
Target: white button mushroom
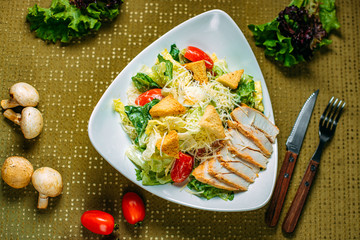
{"points": [[48, 183], [21, 94], [30, 121], [17, 171]]}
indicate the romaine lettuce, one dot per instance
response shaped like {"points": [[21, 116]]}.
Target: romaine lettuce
{"points": [[246, 90], [139, 116], [143, 82], [207, 191], [151, 171]]}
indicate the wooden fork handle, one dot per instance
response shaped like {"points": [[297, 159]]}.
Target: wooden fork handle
{"points": [[298, 203], [281, 187]]}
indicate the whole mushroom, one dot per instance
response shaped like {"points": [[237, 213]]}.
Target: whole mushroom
{"points": [[21, 94], [30, 121], [48, 183], [17, 171]]}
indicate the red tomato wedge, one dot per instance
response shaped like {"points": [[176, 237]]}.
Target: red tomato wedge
{"points": [[133, 208], [195, 54], [148, 96], [182, 167], [98, 222]]}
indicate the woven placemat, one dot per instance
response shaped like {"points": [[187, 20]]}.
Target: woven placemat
{"points": [[72, 78]]}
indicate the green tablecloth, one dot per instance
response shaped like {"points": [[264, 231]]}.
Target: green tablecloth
{"points": [[72, 78]]}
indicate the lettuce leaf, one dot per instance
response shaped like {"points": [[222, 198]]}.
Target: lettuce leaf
{"points": [[246, 90], [126, 123], [150, 171], [174, 52], [291, 49], [63, 21], [207, 191], [144, 82], [139, 117]]}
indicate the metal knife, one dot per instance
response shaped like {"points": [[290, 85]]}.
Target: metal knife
{"points": [[293, 147]]}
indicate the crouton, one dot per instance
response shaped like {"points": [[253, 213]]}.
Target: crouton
{"points": [[168, 106], [211, 122], [231, 80], [169, 144], [199, 70]]}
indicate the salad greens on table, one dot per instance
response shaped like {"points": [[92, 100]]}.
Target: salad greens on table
{"points": [[69, 19], [170, 76], [299, 30]]}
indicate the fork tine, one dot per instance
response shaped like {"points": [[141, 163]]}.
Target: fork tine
{"points": [[338, 115], [324, 113], [333, 112]]}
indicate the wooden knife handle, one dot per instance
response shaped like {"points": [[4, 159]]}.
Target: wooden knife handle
{"points": [[282, 184], [298, 203]]}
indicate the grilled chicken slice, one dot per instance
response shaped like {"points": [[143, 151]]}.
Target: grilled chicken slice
{"points": [[201, 173], [252, 117], [238, 166], [257, 137], [237, 145], [250, 156], [225, 175]]}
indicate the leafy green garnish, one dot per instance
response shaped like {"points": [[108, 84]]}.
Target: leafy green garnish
{"points": [[169, 67], [64, 21], [207, 191], [143, 82], [139, 116], [300, 29], [150, 178], [245, 91], [174, 52]]}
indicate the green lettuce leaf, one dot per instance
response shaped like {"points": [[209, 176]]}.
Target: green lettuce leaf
{"points": [[327, 14], [139, 117], [143, 82], [174, 52], [64, 21], [168, 67], [246, 90], [149, 171], [151, 178], [207, 191], [280, 47]]}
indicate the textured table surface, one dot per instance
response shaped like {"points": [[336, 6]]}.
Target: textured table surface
{"points": [[72, 78]]}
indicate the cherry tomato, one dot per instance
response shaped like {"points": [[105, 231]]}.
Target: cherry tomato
{"points": [[182, 167], [98, 222], [148, 96], [195, 54], [133, 208]]}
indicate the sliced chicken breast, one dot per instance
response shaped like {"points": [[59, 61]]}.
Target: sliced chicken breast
{"points": [[223, 174], [238, 166], [249, 155], [239, 140], [257, 137], [245, 149], [201, 173], [252, 117]]}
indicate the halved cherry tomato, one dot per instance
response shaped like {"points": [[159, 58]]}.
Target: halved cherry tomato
{"points": [[148, 96], [195, 54], [182, 167], [98, 222], [133, 208]]}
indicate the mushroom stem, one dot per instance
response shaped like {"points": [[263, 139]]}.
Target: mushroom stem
{"points": [[9, 103], [43, 201], [13, 116]]}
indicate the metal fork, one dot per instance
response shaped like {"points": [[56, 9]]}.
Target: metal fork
{"points": [[327, 127]]}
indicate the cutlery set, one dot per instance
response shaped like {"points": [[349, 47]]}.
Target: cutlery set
{"points": [[327, 126]]}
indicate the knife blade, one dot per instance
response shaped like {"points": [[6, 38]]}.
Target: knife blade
{"points": [[293, 147]]}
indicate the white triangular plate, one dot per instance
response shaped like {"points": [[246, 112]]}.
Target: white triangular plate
{"points": [[212, 31]]}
